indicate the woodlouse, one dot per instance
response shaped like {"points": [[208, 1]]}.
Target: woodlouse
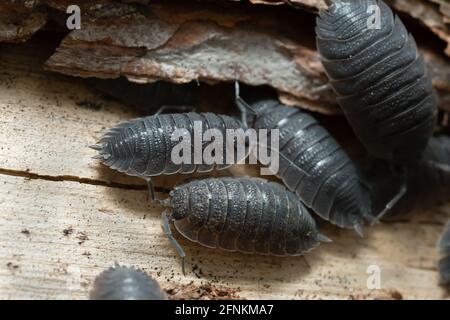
{"points": [[313, 164], [427, 181], [125, 283], [379, 77], [249, 215], [142, 147], [444, 262]]}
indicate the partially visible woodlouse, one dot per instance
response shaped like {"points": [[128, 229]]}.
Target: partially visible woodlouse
{"points": [[444, 262], [142, 147], [427, 181], [313, 164], [125, 283], [379, 77], [248, 215], [147, 97]]}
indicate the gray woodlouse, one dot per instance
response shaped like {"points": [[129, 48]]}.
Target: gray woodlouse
{"points": [[248, 215], [427, 181], [444, 262], [125, 283], [379, 77], [313, 164], [142, 147]]}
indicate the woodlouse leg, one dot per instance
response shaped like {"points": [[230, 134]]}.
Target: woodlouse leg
{"points": [[321, 88], [441, 166], [306, 262], [168, 232], [151, 190], [391, 203], [293, 5], [175, 108], [152, 193]]}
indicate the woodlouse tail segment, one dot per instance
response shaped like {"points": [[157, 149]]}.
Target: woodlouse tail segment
{"points": [[323, 238], [358, 227], [97, 147], [103, 154], [165, 216]]}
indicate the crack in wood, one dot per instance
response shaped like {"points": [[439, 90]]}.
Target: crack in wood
{"points": [[63, 178]]}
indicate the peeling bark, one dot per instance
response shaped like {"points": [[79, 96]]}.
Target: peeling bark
{"points": [[216, 42], [20, 26]]}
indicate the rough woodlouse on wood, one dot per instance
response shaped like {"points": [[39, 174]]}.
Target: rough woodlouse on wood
{"points": [[444, 262], [379, 77], [143, 147], [125, 283], [427, 181], [312, 163], [249, 215]]}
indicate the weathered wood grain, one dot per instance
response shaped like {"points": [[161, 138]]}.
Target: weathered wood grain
{"points": [[115, 225], [61, 223]]}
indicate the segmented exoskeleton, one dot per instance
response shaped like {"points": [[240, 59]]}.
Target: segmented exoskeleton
{"points": [[249, 215], [444, 262], [379, 77], [143, 147], [427, 181], [125, 283], [313, 164]]}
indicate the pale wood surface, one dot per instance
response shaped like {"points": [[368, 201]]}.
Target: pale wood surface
{"points": [[49, 183]]}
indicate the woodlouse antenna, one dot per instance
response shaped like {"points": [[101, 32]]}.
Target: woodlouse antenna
{"points": [[392, 202], [241, 101], [242, 105], [168, 232]]}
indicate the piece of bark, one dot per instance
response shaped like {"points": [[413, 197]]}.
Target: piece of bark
{"points": [[435, 18], [184, 42], [444, 8], [428, 13], [21, 25], [190, 47], [181, 48]]}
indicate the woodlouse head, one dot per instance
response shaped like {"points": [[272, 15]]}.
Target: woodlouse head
{"points": [[179, 202]]}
